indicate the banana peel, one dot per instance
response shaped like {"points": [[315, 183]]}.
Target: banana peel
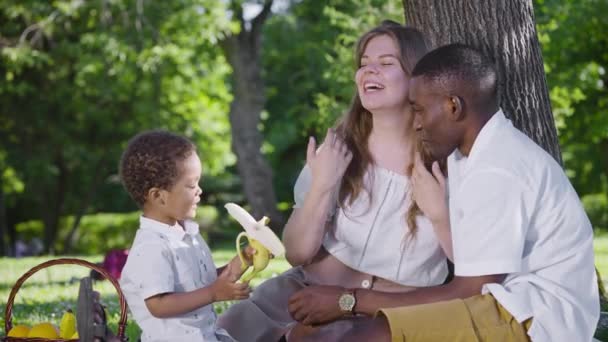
{"points": [[259, 236], [257, 230]]}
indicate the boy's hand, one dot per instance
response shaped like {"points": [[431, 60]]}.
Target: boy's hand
{"points": [[248, 252], [226, 287], [235, 263]]}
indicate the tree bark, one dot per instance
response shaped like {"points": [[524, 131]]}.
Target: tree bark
{"points": [[55, 201], [84, 205], [3, 225], [242, 51], [506, 31]]}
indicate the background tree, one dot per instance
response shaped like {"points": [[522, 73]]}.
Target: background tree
{"points": [[309, 72], [577, 78], [82, 77], [506, 31], [242, 49]]}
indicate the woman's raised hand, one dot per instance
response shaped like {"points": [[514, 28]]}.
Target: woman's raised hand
{"points": [[429, 190], [329, 163]]}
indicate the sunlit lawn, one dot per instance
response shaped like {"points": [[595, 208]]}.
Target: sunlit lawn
{"points": [[46, 294]]}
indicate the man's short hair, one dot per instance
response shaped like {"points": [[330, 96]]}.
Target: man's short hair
{"points": [[458, 66], [151, 160]]}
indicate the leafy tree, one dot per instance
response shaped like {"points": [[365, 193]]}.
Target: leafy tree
{"points": [[576, 75], [83, 76], [242, 49], [309, 72], [505, 31]]}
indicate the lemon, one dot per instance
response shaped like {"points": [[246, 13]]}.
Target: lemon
{"points": [[75, 336], [44, 330], [67, 327], [19, 331]]}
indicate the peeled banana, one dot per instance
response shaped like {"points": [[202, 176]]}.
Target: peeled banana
{"points": [[67, 327]]}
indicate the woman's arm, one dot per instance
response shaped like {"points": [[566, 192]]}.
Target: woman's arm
{"points": [[430, 193], [319, 304], [305, 228], [369, 301], [442, 229]]}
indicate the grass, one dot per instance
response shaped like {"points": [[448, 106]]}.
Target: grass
{"points": [[45, 295], [49, 292]]}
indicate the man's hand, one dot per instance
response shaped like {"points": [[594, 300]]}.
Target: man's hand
{"points": [[316, 304]]}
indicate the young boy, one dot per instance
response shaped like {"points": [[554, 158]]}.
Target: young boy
{"points": [[169, 280]]}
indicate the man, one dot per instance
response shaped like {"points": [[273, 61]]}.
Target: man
{"points": [[522, 243]]}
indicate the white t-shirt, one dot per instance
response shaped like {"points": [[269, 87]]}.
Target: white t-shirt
{"points": [[166, 259], [370, 237], [513, 211]]}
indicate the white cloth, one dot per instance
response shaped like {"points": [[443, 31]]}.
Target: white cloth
{"points": [[167, 259], [372, 237], [513, 211]]}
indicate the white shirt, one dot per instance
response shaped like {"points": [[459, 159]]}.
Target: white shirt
{"points": [[371, 237], [166, 259], [513, 211]]}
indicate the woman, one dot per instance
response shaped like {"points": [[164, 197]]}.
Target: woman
{"points": [[353, 223]]}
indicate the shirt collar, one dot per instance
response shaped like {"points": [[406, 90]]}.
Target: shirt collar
{"points": [[488, 130], [174, 232]]}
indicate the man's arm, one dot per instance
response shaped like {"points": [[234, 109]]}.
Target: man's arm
{"points": [[319, 304], [369, 301]]}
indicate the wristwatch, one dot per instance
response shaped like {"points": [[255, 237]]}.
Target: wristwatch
{"points": [[347, 301]]}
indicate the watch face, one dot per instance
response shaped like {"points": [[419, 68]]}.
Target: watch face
{"points": [[347, 302]]}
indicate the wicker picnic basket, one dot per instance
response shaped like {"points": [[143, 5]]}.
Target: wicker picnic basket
{"points": [[8, 324]]}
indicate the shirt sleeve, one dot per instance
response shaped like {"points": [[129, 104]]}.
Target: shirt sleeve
{"points": [[489, 222], [150, 269], [301, 188]]}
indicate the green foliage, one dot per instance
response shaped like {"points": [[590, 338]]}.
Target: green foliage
{"points": [[596, 206], [81, 77], [46, 294], [308, 58], [105, 231], [575, 51]]}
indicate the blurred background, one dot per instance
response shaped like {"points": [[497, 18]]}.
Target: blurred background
{"points": [[78, 78], [248, 82]]}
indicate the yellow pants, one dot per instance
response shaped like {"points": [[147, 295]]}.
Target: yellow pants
{"points": [[476, 319]]}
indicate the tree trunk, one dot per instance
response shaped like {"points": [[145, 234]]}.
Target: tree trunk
{"points": [[242, 51], [84, 205], [54, 203], [506, 31], [3, 224]]}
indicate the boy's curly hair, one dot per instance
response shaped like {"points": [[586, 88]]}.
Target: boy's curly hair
{"points": [[152, 159]]}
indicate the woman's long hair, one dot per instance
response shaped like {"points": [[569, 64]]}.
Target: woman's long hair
{"points": [[356, 125]]}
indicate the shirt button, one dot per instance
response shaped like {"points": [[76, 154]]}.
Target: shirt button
{"points": [[365, 284]]}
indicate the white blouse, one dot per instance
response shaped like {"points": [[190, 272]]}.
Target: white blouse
{"points": [[371, 234]]}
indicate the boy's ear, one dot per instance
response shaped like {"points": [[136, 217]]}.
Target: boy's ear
{"points": [[156, 195]]}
